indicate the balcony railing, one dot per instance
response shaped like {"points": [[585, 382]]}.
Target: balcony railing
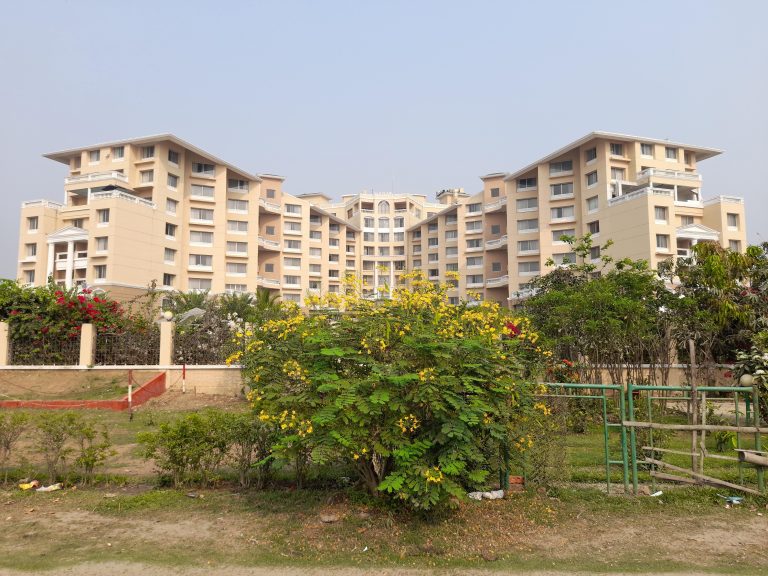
{"points": [[42, 203], [268, 243], [122, 196], [269, 205], [498, 243], [268, 281], [96, 177], [491, 206], [500, 281], [647, 191], [724, 199], [663, 173]]}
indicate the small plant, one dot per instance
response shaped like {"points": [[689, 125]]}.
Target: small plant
{"points": [[94, 448], [54, 430], [12, 426], [252, 441]]}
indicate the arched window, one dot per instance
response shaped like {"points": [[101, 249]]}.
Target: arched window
{"points": [[383, 207], [383, 221]]}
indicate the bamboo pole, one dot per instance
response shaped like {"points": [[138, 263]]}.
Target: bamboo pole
{"points": [[702, 477], [708, 427], [693, 407]]}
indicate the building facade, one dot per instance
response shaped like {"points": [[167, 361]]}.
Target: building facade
{"points": [[158, 209]]}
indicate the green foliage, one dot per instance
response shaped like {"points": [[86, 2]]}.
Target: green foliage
{"points": [[94, 447], [12, 426], [54, 432], [415, 393]]}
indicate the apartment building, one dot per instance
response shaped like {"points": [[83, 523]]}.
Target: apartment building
{"points": [[159, 209]]}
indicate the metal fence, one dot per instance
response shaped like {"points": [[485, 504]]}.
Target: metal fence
{"points": [[44, 350], [128, 348]]}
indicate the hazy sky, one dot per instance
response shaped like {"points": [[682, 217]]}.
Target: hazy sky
{"points": [[415, 96]]}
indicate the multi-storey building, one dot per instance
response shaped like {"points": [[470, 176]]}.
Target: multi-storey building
{"points": [[159, 209]]}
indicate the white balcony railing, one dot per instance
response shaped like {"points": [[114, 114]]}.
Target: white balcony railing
{"points": [[42, 203], [122, 196], [269, 205], [268, 281], [498, 243], [647, 191], [724, 199], [491, 206], [500, 281], [268, 243], [477, 230], [96, 177], [663, 173]]}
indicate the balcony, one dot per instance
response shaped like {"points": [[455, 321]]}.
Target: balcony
{"points": [[647, 191], [497, 205], [650, 173], [496, 244], [476, 230], [108, 195], [473, 249], [475, 284], [268, 244], [237, 189], [80, 260], [270, 206], [96, 177], [267, 282], [724, 200], [42, 204], [497, 282]]}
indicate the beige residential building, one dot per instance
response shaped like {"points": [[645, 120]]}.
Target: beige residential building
{"points": [[159, 209]]}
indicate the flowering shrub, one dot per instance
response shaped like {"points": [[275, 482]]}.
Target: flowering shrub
{"points": [[755, 363], [419, 395]]}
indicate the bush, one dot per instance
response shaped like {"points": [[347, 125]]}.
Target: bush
{"points": [[419, 395], [94, 448], [12, 426], [54, 431]]}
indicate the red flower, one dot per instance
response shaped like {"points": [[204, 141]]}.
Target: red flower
{"points": [[512, 329], [58, 293], [44, 329], [14, 312], [728, 374], [81, 298]]}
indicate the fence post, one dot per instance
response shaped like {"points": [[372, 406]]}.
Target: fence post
{"points": [[87, 345], [5, 341], [167, 330]]}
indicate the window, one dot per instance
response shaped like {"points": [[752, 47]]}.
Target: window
{"points": [[169, 256], [201, 214], [350, 264], [528, 246], [102, 243], [171, 205], [660, 213], [147, 176], [315, 220], [475, 243], [670, 153], [432, 227], [173, 181], [383, 236], [100, 271], [556, 168], [368, 236], [474, 226], [561, 213], [417, 264], [432, 242], [201, 191], [592, 204], [399, 237], [591, 179], [567, 258], [237, 226], [240, 206], [618, 174], [173, 157], [236, 268], [399, 222], [270, 193], [201, 260], [118, 152], [31, 250], [102, 216], [291, 297], [383, 250], [384, 222], [531, 225], [646, 150], [293, 226], [399, 250], [77, 222], [293, 244], [557, 235], [368, 222], [474, 261], [433, 257], [527, 204], [269, 230], [686, 220], [734, 245], [198, 237], [293, 209], [333, 242], [496, 229], [474, 207], [93, 156], [594, 252], [495, 192], [315, 235], [235, 288], [416, 234], [333, 228], [201, 238], [590, 154], [29, 276], [451, 220], [383, 207], [528, 268], [237, 247], [269, 267], [32, 223], [147, 152], [168, 279], [453, 251], [200, 284], [433, 273], [594, 227], [526, 184], [170, 230], [201, 169], [733, 221], [662, 242], [564, 189], [451, 234], [617, 149], [239, 185]]}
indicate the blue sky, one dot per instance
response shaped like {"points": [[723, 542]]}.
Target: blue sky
{"points": [[411, 96]]}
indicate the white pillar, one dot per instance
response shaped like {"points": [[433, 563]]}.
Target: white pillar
{"points": [[51, 261], [70, 264]]}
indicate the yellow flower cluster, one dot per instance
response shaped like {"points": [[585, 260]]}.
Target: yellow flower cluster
{"points": [[293, 370], [543, 407], [427, 375], [523, 443], [408, 424], [288, 421], [433, 475], [282, 328], [358, 455], [254, 396]]}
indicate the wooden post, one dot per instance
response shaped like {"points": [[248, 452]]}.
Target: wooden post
{"points": [[693, 411]]}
